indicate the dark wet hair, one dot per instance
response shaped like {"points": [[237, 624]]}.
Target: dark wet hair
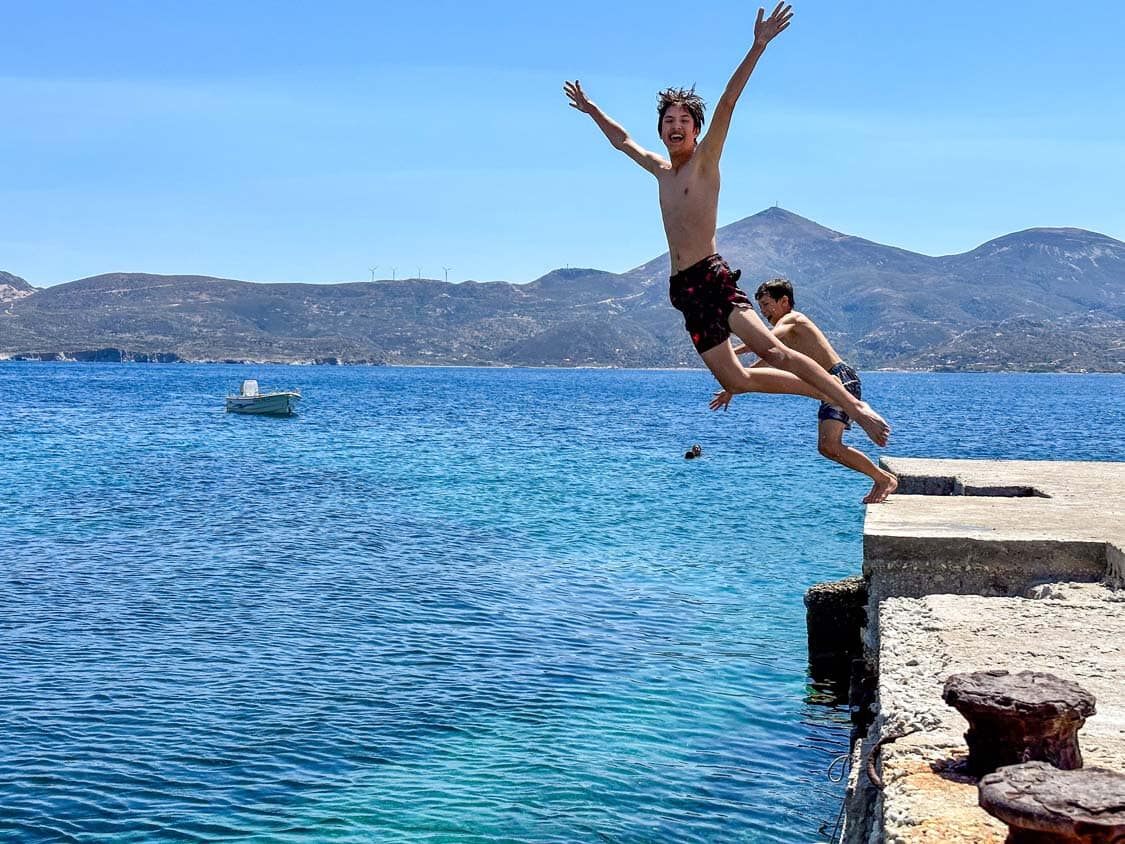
{"points": [[776, 288], [685, 97]]}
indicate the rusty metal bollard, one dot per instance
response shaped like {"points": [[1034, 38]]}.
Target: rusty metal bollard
{"points": [[1043, 805], [1013, 718]]}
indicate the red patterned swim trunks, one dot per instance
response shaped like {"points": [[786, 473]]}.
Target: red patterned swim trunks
{"points": [[705, 293]]}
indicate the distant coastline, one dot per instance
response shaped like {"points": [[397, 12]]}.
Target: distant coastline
{"points": [[116, 356]]}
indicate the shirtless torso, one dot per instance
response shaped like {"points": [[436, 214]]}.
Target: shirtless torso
{"points": [[689, 204], [800, 333], [688, 181]]}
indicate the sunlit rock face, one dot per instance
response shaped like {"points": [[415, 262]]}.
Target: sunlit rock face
{"points": [[12, 287]]}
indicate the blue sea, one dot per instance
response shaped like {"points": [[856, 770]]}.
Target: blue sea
{"points": [[442, 605]]}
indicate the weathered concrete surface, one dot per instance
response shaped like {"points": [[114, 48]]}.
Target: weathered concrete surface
{"points": [[927, 795], [1049, 531], [974, 543]]}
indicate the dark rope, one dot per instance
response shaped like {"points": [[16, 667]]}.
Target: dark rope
{"points": [[876, 780]]}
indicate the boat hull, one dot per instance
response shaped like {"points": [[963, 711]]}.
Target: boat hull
{"points": [[269, 404]]}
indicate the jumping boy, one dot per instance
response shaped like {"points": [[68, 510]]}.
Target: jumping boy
{"points": [[703, 287], [798, 332]]}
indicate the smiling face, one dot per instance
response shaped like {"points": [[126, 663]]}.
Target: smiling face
{"points": [[678, 130], [772, 309], [775, 298]]}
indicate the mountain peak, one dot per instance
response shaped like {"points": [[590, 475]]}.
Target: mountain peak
{"points": [[778, 220], [13, 287], [1069, 242], [776, 212], [15, 281], [569, 274]]}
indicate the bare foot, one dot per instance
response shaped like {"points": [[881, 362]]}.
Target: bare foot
{"points": [[873, 425], [881, 489]]}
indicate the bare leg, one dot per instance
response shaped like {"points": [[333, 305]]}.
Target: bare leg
{"points": [[746, 324], [729, 371], [830, 443]]}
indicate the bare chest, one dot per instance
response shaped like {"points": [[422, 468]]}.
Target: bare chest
{"points": [[688, 194]]}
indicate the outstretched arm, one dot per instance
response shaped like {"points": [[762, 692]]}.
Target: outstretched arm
{"points": [[711, 147], [613, 130], [745, 350]]}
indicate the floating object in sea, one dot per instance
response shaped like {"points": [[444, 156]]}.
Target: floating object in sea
{"points": [[250, 400]]}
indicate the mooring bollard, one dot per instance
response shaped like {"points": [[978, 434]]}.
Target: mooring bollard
{"points": [[1013, 718], [1043, 805]]}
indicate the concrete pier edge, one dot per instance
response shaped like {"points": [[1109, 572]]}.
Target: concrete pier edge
{"points": [[976, 565]]}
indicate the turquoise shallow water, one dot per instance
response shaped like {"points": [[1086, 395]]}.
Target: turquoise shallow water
{"points": [[441, 605]]}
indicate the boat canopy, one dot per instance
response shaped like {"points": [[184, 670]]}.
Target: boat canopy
{"points": [[249, 388]]}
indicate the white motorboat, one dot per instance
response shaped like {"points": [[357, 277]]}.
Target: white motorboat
{"points": [[250, 400]]}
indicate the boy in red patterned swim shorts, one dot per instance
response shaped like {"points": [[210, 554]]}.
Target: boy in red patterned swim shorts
{"points": [[702, 286]]}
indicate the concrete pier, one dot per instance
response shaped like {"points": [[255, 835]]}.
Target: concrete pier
{"points": [[979, 565], [1002, 527]]}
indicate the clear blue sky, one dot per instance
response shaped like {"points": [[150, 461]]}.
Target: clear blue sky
{"points": [[286, 141]]}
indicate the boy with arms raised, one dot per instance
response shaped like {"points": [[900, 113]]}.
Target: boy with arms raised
{"points": [[798, 332], [703, 287]]}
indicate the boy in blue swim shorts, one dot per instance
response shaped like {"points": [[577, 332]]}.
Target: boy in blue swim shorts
{"points": [[797, 331]]}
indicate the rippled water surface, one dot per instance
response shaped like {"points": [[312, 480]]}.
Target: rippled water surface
{"points": [[441, 605]]}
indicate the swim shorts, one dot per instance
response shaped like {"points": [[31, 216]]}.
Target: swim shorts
{"points": [[850, 380], [705, 293]]}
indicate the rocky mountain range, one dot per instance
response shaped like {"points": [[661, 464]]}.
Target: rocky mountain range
{"points": [[1040, 299]]}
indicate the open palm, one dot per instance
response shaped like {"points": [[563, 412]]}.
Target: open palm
{"points": [[577, 96], [766, 30]]}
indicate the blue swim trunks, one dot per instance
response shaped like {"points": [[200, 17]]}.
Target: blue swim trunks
{"points": [[850, 380]]}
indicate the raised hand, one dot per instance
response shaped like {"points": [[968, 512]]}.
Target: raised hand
{"points": [[577, 97], [766, 30]]}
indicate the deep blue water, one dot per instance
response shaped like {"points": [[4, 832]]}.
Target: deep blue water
{"points": [[441, 605]]}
